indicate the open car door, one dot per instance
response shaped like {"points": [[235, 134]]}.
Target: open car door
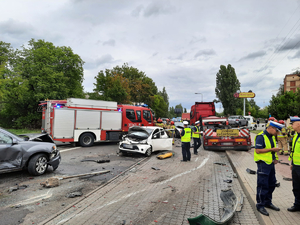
{"points": [[159, 142]]}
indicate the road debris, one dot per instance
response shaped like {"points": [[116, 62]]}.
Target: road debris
{"points": [[165, 155], [250, 171], [277, 184], [284, 163], [54, 181], [234, 175], [228, 181], [219, 163], [287, 179], [97, 161], [17, 187], [155, 168], [74, 194]]}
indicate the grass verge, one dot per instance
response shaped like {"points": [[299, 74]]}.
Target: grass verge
{"points": [[23, 131]]}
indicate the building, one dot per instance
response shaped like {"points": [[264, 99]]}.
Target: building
{"points": [[291, 82]]}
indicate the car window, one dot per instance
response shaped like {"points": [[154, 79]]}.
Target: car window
{"points": [[162, 132], [5, 139], [147, 115], [130, 114], [138, 113]]}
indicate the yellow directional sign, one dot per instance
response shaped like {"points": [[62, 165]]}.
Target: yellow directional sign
{"points": [[228, 133], [246, 95]]}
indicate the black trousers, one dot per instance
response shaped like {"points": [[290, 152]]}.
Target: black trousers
{"points": [[186, 153], [296, 184], [197, 144]]}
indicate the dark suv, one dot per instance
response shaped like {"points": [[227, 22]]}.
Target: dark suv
{"points": [[235, 121], [33, 151]]}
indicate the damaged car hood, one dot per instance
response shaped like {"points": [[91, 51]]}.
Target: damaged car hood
{"points": [[139, 133], [42, 137]]}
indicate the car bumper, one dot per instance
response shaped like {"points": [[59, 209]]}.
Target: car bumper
{"points": [[55, 161], [140, 149]]}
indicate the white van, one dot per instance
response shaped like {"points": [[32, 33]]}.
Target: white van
{"points": [[251, 124]]}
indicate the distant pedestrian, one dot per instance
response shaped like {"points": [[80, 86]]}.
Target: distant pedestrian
{"points": [[265, 155], [295, 165], [186, 134], [197, 137]]}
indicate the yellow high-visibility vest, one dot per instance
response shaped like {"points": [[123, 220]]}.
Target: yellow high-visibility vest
{"points": [[266, 157], [187, 135], [295, 153], [196, 135]]}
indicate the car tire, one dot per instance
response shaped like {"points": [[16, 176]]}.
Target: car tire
{"points": [[148, 152], [38, 165], [86, 140]]}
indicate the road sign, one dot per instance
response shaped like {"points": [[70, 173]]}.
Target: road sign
{"points": [[244, 95]]}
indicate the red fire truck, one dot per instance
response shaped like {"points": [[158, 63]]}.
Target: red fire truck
{"points": [[201, 110], [87, 121]]}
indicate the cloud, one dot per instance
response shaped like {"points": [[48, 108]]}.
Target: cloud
{"points": [[179, 57], [253, 55], [136, 12], [101, 61], [158, 8], [296, 56], [205, 53], [291, 44], [110, 42], [197, 39]]}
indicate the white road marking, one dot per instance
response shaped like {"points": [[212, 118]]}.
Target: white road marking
{"points": [[70, 149]]}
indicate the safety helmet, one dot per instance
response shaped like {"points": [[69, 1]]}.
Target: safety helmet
{"points": [[172, 122], [275, 121], [167, 120], [281, 121], [271, 118], [159, 120]]}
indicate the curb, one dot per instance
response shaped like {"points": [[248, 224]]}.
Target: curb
{"points": [[90, 193]]}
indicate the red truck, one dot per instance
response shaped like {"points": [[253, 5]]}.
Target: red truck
{"points": [[217, 135], [87, 121]]}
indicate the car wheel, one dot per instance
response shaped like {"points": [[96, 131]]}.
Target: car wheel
{"points": [[148, 152], [86, 140], [38, 164]]}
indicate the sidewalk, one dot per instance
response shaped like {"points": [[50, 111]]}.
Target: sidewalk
{"points": [[282, 196], [179, 190]]}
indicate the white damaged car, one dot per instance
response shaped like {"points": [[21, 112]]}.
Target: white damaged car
{"points": [[145, 140]]}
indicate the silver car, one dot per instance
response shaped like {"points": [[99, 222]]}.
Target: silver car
{"points": [[33, 151]]}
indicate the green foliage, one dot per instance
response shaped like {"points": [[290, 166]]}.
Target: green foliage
{"points": [[239, 112], [133, 85], [226, 85], [159, 106], [34, 73], [284, 105], [263, 113], [164, 95]]}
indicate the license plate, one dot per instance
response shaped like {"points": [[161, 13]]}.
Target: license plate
{"points": [[227, 143], [127, 146]]}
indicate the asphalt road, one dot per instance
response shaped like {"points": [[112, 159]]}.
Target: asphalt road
{"points": [[38, 203]]}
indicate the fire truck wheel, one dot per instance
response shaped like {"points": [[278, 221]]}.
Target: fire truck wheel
{"points": [[86, 140], [38, 164], [148, 152]]}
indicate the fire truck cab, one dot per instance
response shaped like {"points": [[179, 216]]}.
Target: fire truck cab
{"points": [[87, 121]]}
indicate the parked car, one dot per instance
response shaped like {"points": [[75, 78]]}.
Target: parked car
{"points": [[237, 121], [145, 140], [33, 151]]}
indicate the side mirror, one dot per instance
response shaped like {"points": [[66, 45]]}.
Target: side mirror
{"points": [[14, 141]]}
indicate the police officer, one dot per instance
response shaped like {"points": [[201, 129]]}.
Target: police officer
{"points": [[295, 166], [282, 140], [197, 137], [265, 155], [186, 135]]}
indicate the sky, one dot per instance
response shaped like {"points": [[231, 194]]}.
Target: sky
{"points": [[179, 44]]}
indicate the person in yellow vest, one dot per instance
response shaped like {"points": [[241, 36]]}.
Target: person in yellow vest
{"points": [[295, 165], [197, 137], [172, 127], [186, 136], [265, 156], [282, 140]]}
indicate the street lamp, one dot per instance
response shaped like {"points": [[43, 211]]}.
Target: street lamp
{"points": [[201, 96]]}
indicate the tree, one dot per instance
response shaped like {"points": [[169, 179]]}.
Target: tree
{"points": [[226, 85], [38, 72], [164, 95], [159, 106]]}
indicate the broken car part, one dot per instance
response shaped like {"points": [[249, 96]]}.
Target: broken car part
{"points": [[97, 161], [250, 171]]}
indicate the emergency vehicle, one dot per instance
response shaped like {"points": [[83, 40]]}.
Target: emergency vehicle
{"points": [[201, 110], [87, 121]]}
